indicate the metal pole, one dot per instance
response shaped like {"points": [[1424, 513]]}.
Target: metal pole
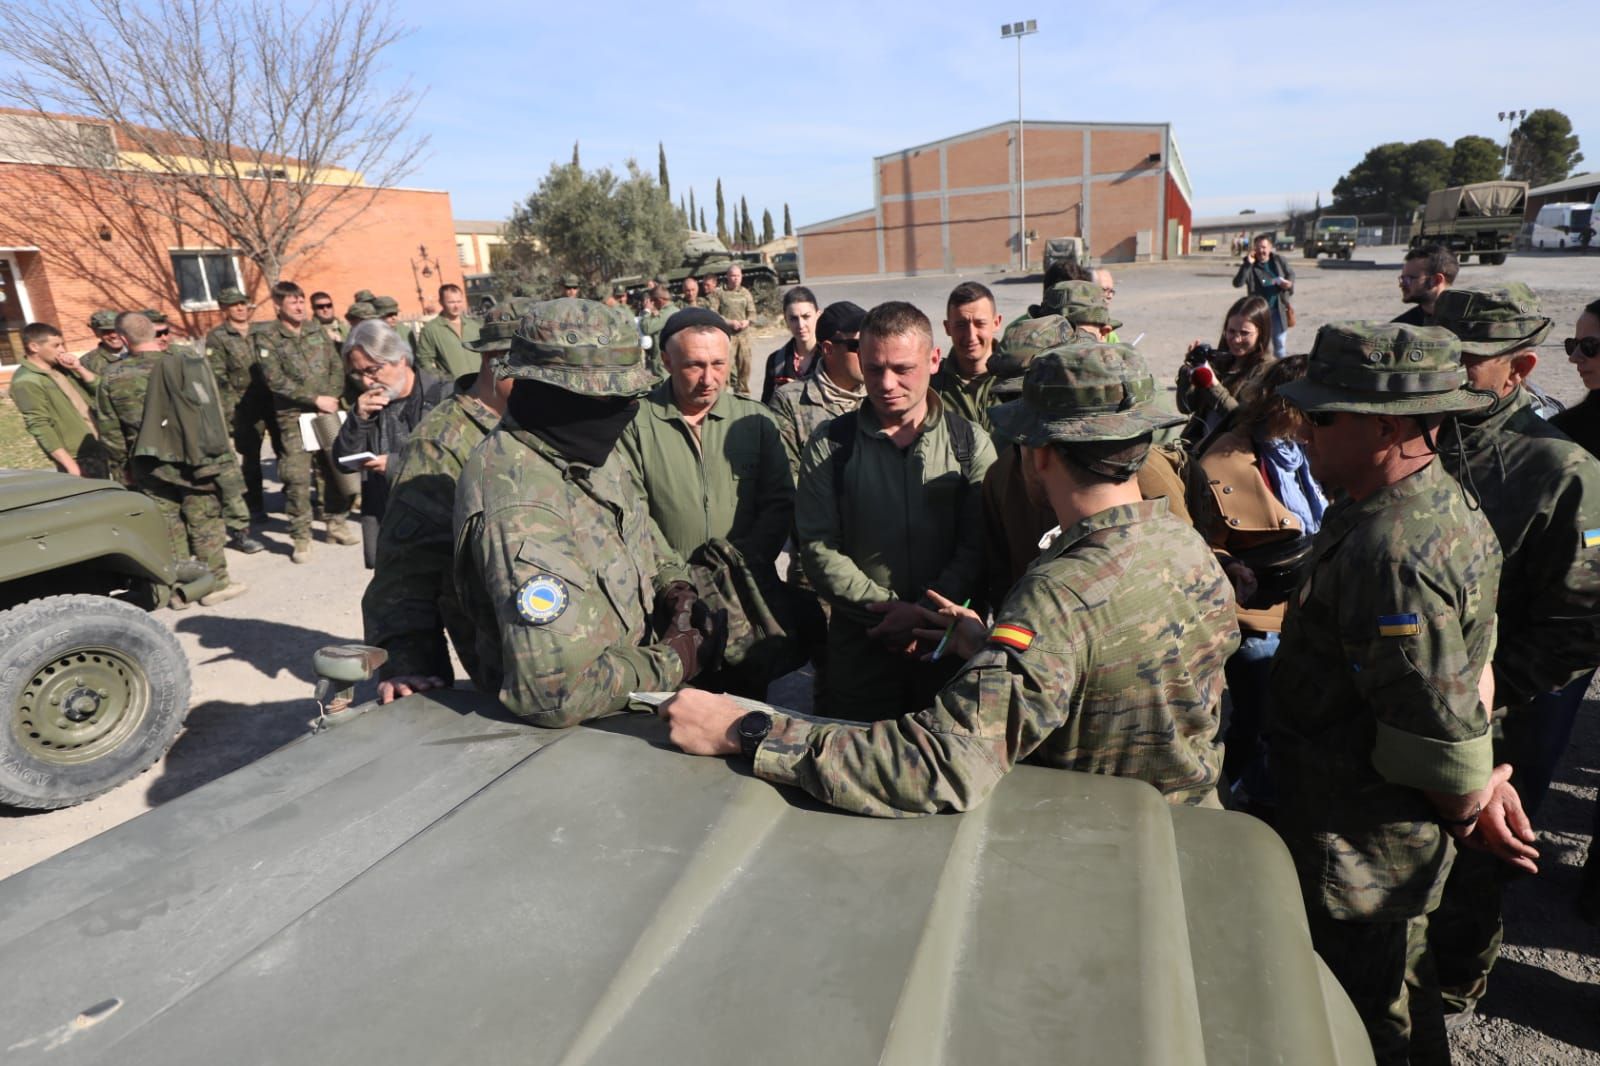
{"points": [[1022, 178]]}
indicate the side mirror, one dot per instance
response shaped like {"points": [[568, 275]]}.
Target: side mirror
{"points": [[338, 668]]}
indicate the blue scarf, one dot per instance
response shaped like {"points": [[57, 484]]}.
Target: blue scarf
{"points": [[1292, 482]]}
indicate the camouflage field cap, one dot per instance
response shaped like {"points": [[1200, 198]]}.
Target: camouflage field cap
{"points": [[385, 305], [1079, 302], [571, 281], [581, 346], [158, 317], [496, 332], [101, 321], [1492, 322], [1084, 391], [1022, 341], [231, 296], [619, 291], [363, 296], [360, 311], [1384, 368]]}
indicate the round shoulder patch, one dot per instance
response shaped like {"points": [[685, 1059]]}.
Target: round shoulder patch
{"points": [[542, 599]]}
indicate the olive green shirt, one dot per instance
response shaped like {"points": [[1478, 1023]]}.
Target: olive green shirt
{"points": [[968, 398], [49, 414], [443, 351]]}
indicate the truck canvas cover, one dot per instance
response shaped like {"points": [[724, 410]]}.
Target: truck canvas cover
{"points": [[432, 882], [1486, 199]]}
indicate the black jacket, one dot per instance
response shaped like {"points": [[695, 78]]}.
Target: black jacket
{"points": [[387, 435]]}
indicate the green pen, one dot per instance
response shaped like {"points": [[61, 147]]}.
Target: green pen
{"points": [[938, 651]]}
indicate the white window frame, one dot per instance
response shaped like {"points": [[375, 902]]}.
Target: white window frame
{"points": [[211, 304]]}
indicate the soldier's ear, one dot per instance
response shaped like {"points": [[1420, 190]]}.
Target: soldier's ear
{"points": [[1522, 365]]}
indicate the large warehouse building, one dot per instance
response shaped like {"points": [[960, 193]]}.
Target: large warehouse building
{"points": [[951, 206]]}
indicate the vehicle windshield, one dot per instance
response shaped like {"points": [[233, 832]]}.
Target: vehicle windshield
{"points": [[1345, 222]]}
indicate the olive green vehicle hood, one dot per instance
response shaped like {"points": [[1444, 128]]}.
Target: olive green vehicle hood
{"points": [[429, 883], [29, 488]]}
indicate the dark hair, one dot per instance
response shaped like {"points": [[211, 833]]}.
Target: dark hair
{"points": [[1105, 462], [321, 295], [1065, 270], [1592, 309], [286, 288], [896, 318], [1259, 402], [968, 292], [1269, 238], [1440, 260], [1259, 313], [799, 295], [450, 286], [34, 332]]}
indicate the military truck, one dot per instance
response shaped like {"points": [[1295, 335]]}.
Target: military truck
{"points": [[92, 689], [1063, 250], [1333, 235], [787, 264], [434, 881], [1482, 219]]}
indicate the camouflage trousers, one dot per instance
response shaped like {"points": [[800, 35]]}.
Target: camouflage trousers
{"points": [[1386, 969], [193, 512], [739, 362], [296, 469], [230, 486]]}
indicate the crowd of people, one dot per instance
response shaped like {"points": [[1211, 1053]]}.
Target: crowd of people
{"points": [[1353, 591]]}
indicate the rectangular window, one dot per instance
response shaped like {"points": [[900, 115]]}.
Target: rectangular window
{"points": [[202, 276]]}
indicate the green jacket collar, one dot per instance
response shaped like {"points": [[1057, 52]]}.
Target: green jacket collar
{"points": [[1347, 514], [1127, 514], [661, 403], [868, 424]]}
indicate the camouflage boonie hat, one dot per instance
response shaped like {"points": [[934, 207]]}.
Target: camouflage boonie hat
{"points": [[158, 317], [1384, 368], [1079, 302], [1492, 322], [496, 332], [1021, 344], [363, 296], [385, 305], [360, 311], [571, 281], [103, 320], [581, 346], [230, 296], [1084, 391]]}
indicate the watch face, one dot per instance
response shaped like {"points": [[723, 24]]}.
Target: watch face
{"points": [[755, 725]]}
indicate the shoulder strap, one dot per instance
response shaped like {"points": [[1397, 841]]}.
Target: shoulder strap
{"points": [[962, 442], [842, 434]]}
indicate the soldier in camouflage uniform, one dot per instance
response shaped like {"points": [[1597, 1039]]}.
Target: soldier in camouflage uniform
{"points": [[326, 320], [1106, 658], [659, 308], [834, 386], [738, 308], [1380, 743], [304, 374], [111, 346], [1541, 493], [570, 284], [388, 309], [411, 604], [556, 561], [963, 381], [232, 355]]}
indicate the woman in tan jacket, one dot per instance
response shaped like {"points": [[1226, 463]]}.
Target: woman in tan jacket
{"points": [[1210, 378]]}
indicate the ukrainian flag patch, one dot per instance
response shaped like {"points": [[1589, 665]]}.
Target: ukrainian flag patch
{"points": [[1015, 637], [1591, 538], [1398, 625]]}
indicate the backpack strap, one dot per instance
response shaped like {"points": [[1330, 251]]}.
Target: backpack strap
{"points": [[963, 441], [842, 434]]}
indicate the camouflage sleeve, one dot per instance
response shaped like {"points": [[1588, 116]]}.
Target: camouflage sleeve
{"points": [[109, 426], [774, 497], [1412, 663], [286, 376], [1000, 708], [962, 576], [789, 431], [334, 380], [819, 527], [35, 411]]}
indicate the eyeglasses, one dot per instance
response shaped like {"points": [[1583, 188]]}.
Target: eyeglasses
{"points": [[851, 345], [1589, 346], [322, 307], [1321, 419], [163, 332], [368, 373]]}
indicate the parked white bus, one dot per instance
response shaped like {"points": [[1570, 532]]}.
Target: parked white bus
{"points": [[1562, 225]]}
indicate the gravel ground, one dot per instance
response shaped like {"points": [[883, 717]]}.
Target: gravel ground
{"points": [[252, 676]]}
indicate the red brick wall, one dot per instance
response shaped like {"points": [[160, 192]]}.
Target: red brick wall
{"points": [[910, 172], [75, 272], [980, 230], [912, 242], [1119, 209], [1179, 209], [1117, 152], [1055, 154], [841, 250], [980, 161]]}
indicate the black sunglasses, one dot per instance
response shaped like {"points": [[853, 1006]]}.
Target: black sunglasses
{"points": [[1589, 346], [851, 345], [322, 307], [163, 332], [1321, 419]]}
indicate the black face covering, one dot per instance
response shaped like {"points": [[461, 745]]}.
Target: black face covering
{"points": [[583, 429]]}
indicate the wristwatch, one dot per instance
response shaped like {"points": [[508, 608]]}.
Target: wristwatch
{"points": [[753, 729], [1462, 823]]}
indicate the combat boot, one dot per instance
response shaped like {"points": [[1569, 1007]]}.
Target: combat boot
{"points": [[224, 594], [302, 551], [339, 532], [240, 540]]}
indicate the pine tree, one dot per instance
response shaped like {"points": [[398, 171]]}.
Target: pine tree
{"points": [[766, 226], [722, 215], [703, 221], [788, 227], [575, 164], [683, 212], [747, 232], [692, 216], [661, 170]]}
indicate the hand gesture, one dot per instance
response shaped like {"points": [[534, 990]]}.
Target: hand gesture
{"points": [[966, 639]]}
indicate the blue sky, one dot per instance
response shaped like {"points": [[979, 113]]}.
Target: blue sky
{"points": [[1266, 104]]}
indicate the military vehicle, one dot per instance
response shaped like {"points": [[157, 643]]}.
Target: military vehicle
{"points": [[1481, 219], [1333, 235], [434, 881], [92, 689], [703, 253], [1063, 250], [787, 264]]}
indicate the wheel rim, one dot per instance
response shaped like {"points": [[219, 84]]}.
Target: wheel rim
{"points": [[81, 705]]}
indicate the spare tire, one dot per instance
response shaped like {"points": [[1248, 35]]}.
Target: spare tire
{"points": [[92, 691]]}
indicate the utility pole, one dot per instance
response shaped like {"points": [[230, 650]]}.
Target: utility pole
{"points": [[1019, 30]]}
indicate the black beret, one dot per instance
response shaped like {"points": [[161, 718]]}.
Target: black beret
{"points": [[837, 318], [692, 316]]}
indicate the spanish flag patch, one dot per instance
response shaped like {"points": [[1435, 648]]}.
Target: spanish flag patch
{"points": [[1591, 538], [1398, 625], [1015, 637]]}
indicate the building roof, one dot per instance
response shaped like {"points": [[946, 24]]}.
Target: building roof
{"points": [[1253, 221], [1587, 180], [477, 225], [1032, 124]]}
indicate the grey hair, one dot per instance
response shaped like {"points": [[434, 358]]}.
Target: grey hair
{"points": [[379, 340]]}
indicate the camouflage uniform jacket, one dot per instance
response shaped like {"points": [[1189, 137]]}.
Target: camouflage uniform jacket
{"points": [[232, 356], [1376, 695], [970, 399], [99, 357], [801, 406], [909, 519], [731, 480], [297, 367], [442, 351], [119, 407], [735, 304], [1105, 658], [411, 600], [1541, 493], [557, 565]]}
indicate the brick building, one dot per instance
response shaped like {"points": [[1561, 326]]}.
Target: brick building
{"points": [[71, 244], [951, 205], [476, 240]]}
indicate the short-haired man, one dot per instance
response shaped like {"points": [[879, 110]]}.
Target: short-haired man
{"points": [[322, 312], [1107, 658], [388, 309], [972, 324], [887, 514], [711, 462], [411, 605], [54, 393], [1426, 273], [304, 374], [1266, 274], [1380, 740], [110, 347], [161, 423], [691, 293], [246, 411], [738, 308], [794, 359], [570, 284], [658, 309], [442, 342], [1541, 493], [1108, 291], [710, 288]]}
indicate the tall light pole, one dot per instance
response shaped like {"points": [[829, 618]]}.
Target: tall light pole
{"points": [[1510, 118], [1019, 30]]}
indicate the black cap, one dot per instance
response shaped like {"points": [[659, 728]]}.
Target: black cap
{"points": [[837, 318], [692, 316]]}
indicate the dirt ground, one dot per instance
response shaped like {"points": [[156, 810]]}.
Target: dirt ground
{"points": [[251, 657]]}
